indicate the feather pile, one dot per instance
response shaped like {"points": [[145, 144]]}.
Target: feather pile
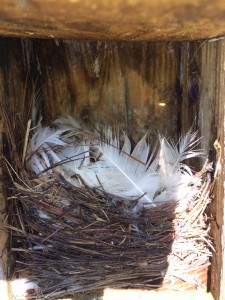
{"points": [[99, 161], [89, 211]]}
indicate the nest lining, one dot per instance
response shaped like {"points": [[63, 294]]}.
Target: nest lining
{"points": [[89, 241], [76, 241]]}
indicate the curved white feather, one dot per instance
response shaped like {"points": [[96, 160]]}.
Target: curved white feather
{"points": [[172, 155], [46, 135], [39, 145], [125, 174]]}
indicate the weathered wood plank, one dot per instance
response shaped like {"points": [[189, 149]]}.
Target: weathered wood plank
{"points": [[118, 20], [203, 71], [110, 83], [218, 207], [3, 231]]}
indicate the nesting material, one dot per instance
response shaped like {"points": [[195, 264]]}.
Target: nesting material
{"points": [[73, 235]]}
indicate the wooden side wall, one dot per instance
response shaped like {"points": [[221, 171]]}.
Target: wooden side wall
{"points": [[203, 66], [114, 83]]}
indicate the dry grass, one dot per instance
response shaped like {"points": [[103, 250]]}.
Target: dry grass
{"points": [[78, 241]]}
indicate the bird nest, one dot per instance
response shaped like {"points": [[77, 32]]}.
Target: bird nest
{"points": [[77, 240]]}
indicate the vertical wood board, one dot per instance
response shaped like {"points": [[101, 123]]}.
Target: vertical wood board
{"points": [[202, 69], [132, 85]]}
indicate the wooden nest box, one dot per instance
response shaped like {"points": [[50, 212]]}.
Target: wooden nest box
{"points": [[143, 66]]}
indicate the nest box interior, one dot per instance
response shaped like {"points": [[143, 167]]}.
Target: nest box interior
{"points": [[139, 86], [156, 86]]}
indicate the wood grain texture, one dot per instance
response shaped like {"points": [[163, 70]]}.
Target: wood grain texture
{"points": [[202, 66], [3, 231], [116, 20], [121, 84], [218, 205]]}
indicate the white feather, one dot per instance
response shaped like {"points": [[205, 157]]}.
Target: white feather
{"points": [[34, 164], [21, 286], [129, 176], [40, 144], [174, 172], [172, 156], [150, 176], [117, 172], [46, 135], [71, 125]]}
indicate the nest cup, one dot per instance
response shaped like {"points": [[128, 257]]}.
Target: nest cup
{"points": [[77, 241]]}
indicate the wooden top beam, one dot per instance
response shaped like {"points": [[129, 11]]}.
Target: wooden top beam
{"points": [[145, 20]]}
